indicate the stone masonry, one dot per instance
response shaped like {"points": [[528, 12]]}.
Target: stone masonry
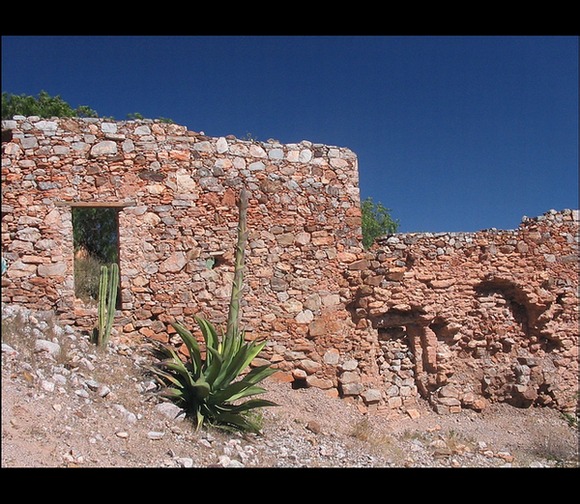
{"points": [[466, 318], [458, 319], [176, 194]]}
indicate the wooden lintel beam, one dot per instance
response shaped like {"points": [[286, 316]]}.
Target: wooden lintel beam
{"points": [[96, 204]]}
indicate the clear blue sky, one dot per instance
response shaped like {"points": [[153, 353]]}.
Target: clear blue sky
{"points": [[452, 133]]}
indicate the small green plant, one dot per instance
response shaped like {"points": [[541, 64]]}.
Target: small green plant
{"points": [[209, 387], [135, 116], [376, 221], [213, 386], [108, 284]]}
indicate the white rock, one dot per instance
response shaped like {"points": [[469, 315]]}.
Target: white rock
{"points": [[92, 384], [130, 417], [41, 345], [87, 364], [8, 349], [171, 411], [47, 386], [103, 391], [58, 378], [224, 460], [372, 396], [349, 365], [184, 462], [305, 317]]}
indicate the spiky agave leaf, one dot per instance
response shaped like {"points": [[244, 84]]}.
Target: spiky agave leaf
{"points": [[171, 393], [179, 368], [235, 421], [236, 415], [245, 390], [201, 388], [210, 336], [259, 373], [235, 392], [212, 371], [199, 419], [192, 346], [240, 361], [163, 377], [250, 404], [252, 350], [244, 387]]}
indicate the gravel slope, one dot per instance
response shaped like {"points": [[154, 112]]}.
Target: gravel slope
{"points": [[86, 407]]}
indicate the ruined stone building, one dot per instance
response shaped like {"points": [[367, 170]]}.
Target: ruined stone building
{"points": [[459, 319]]}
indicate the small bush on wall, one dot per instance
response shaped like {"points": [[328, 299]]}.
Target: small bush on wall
{"points": [[376, 221]]}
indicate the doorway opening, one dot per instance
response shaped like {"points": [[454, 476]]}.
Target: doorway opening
{"points": [[96, 244]]}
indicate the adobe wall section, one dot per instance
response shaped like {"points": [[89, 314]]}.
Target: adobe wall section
{"points": [[466, 318], [178, 219]]}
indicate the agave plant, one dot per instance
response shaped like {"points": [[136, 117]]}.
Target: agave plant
{"points": [[209, 387], [212, 385]]}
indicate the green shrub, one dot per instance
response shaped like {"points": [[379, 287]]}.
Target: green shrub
{"points": [[43, 105], [376, 221]]}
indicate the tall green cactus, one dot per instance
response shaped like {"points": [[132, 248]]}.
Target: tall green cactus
{"points": [[108, 284]]}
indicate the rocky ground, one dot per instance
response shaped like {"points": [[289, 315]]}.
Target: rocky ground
{"points": [[66, 403]]}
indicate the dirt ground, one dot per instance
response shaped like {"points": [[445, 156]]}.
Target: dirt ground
{"points": [[94, 408], [63, 429]]}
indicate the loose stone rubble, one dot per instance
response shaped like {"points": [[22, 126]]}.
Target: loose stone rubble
{"points": [[88, 407]]}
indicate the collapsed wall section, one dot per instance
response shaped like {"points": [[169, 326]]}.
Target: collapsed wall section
{"points": [[462, 319], [175, 192]]}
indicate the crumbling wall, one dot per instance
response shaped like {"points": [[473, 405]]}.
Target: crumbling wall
{"points": [[462, 319], [459, 319], [176, 192]]}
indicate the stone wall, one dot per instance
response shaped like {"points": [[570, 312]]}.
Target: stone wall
{"points": [[458, 319], [176, 193], [466, 318]]}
